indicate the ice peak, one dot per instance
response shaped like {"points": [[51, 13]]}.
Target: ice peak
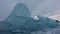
{"points": [[21, 10]]}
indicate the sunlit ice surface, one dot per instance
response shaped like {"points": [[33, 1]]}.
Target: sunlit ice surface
{"points": [[36, 18]]}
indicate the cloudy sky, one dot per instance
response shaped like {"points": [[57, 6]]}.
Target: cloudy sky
{"points": [[48, 8]]}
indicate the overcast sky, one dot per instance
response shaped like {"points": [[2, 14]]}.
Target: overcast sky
{"points": [[49, 8]]}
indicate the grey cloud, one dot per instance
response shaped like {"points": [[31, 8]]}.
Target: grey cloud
{"points": [[36, 7]]}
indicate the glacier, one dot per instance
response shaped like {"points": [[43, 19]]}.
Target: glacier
{"points": [[21, 22]]}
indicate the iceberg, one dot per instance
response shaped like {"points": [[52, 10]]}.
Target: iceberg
{"points": [[16, 19], [20, 21]]}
